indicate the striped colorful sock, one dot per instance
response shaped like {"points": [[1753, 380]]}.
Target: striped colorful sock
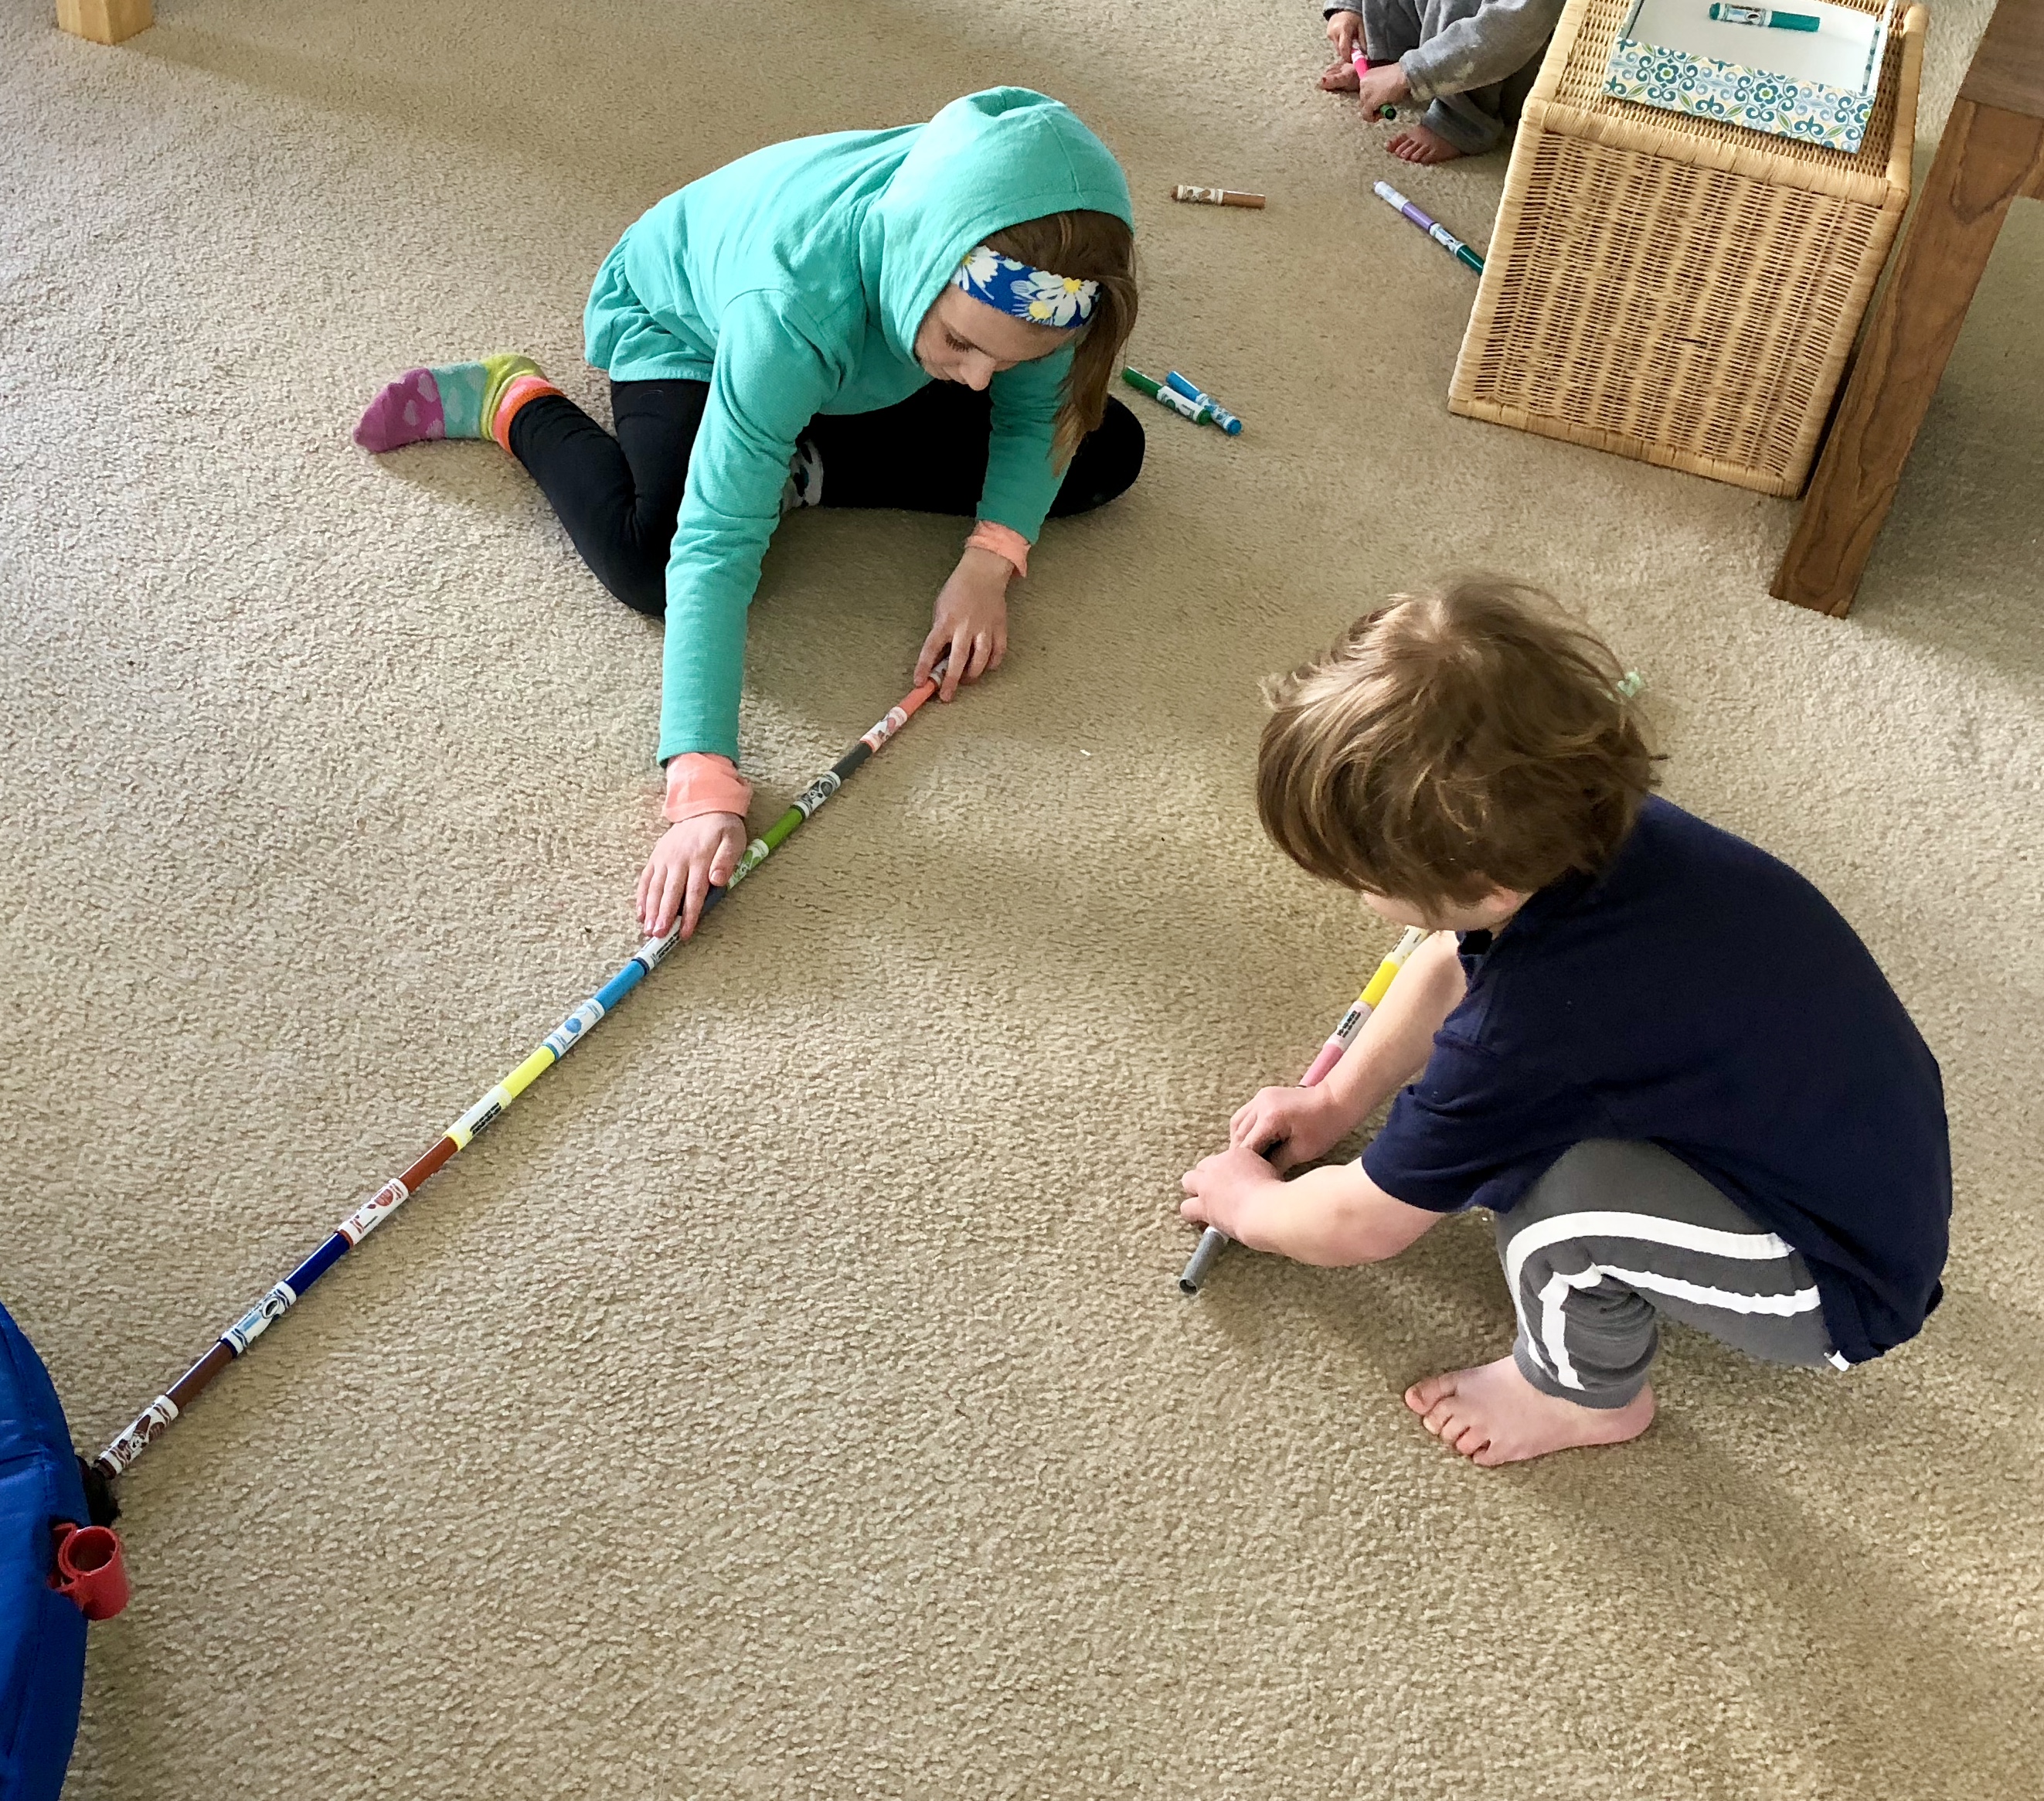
{"points": [[459, 400]]}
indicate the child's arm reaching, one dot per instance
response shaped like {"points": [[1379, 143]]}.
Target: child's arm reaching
{"points": [[1334, 1217], [1294, 1125]]}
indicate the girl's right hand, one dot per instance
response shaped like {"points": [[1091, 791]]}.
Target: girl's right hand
{"points": [[1288, 1125], [690, 859]]}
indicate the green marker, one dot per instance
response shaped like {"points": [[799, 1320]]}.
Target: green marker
{"points": [[1766, 16], [1165, 397]]}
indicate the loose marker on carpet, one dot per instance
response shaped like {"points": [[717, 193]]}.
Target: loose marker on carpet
{"points": [[1164, 395], [1213, 1240], [154, 1420], [1216, 413], [1440, 234], [1217, 196]]}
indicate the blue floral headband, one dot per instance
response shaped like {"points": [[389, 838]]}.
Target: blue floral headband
{"points": [[1035, 295]]}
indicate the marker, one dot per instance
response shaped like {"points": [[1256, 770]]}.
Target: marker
{"points": [[1216, 196], [1199, 397], [1362, 69], [1440, 234], [1213, 1240], [1765, 16], [1166, 396]]}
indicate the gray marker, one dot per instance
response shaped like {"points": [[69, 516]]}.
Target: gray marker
{"points": [[1212, 1242]]}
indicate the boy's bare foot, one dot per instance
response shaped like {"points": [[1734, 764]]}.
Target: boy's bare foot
{"points": [[1493, 1415], [1417, 145], [1340, 78]]}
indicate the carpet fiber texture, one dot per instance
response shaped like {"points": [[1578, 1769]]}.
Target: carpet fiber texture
{"points": [[792, 1397]]}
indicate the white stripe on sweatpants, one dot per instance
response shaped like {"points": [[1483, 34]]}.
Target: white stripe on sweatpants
{"points": [[1555, 1320], [1801, 1302], [1752, 1247]]}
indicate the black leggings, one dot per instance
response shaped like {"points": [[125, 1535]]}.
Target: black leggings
{"points": [[619, 497]]}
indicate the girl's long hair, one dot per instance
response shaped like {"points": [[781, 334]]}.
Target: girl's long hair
{"points": [[1094, 247]]}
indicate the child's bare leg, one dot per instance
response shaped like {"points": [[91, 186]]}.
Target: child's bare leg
{"points": [[1493, 1414]]}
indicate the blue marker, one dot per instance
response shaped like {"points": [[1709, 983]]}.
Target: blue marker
{"points": [[1222, 417]]}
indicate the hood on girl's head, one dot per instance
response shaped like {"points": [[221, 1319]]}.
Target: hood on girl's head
{"points": [[991, 159]]}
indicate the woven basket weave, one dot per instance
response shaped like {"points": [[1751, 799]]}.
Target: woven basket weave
{"points": [[1677, 289]]}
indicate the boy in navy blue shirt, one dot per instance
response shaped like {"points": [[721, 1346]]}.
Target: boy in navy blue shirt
{"points": [[1658, 1055]]}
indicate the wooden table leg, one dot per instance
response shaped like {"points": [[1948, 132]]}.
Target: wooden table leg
{"points": [[104, 22], [1986, 158]]}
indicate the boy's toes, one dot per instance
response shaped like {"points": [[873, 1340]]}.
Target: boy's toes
{"points": [[1340, 78], [1422, 1397], [1446, 1420]]}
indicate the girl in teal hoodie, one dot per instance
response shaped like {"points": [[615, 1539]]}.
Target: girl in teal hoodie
{"points": [[927, 317]]}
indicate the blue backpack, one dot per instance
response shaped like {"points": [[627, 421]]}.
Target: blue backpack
{"points": [[42, 1633]]}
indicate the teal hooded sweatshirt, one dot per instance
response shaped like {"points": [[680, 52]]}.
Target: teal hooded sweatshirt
{"points": [[792, 281]]}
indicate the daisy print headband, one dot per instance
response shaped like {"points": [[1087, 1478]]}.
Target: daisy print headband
{"points": [[1035, 295]]}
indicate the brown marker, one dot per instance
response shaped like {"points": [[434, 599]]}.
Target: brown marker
{"points": [[1217, 196]]}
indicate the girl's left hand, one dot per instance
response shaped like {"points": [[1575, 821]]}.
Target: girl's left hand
{"points": [[971, 626]]}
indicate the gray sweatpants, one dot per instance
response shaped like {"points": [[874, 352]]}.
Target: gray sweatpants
{"points": [[1618, 1233], [1474, 61]]}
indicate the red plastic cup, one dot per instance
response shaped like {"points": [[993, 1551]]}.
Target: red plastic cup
{"points": [[91, 1569]]}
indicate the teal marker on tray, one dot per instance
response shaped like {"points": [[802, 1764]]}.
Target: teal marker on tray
{"points": [[1769, 15], [1199, 397], [1165, 396]]}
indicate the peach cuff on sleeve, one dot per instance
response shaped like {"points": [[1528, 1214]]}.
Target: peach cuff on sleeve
{"points": [[700, 783], [1003, 540]]}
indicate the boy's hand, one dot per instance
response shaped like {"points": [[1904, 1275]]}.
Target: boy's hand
{"points": [[690, 860], [970, 625], [1287, 1126], [1385, 86], [1345, 33], [1220, 1186]]}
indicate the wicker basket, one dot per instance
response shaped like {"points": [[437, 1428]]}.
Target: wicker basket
{"points": [[1678, 289]]}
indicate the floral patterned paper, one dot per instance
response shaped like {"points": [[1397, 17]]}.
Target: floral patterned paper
{"points": [[1676, 82]]}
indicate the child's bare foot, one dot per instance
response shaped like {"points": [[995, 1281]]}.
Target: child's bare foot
{"points": [[1340, 78], [1417, 145], [1493, 1415]]}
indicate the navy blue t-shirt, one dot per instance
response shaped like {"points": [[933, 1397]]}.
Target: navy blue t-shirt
{"points": [[1703, 996]]}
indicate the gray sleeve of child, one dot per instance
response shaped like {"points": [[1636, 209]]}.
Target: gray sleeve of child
{"points": [[1475, 43]]}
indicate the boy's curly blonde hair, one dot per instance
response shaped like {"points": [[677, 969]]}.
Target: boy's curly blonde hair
{"points": [[1470, 737]]}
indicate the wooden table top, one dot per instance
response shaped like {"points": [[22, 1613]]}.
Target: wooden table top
{"points": [[2009, 68]]}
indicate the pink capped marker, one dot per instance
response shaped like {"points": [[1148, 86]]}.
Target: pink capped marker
{"points": [[1363, 67]]}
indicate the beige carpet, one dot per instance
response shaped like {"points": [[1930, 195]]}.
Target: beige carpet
{"points": [[792, 1397]]}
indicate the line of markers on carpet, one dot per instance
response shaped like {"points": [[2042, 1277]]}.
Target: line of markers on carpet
{"points": [[1179, 395]]}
